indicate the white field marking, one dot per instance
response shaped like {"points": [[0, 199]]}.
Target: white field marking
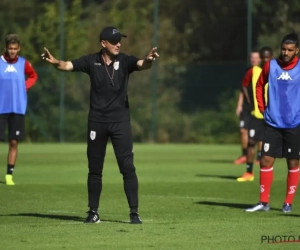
{"points": [[122, 221], [78, 222], [101, 222], [185, 197]]}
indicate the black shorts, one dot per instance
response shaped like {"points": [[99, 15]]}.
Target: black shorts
{"points": [[281, 143], [256, 129], [245, 118], [16, 126]]}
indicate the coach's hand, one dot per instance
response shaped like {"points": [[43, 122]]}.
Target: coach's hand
{"points": [[152, 55], [48, 57]]}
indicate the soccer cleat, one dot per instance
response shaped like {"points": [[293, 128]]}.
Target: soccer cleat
{"points": [[259, 207], [287, 208], [9, 180], [93, 217], [241, 160], [135, 219], [246, 177]]}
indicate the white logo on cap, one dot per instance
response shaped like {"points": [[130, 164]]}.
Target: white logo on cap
{"points": [[115, 31]]}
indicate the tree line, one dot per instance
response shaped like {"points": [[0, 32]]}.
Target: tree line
{"points": [[203, 48]]}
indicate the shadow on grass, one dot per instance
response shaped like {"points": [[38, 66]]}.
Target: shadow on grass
{"points": [[115, 221], [228, 177], [60, 217], [230, 205], [49, 216], [2, 182], [291, 215], [216, 161]]}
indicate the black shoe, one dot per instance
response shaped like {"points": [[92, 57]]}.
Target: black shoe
{"points": [[287, 208], [93, 217], [135, 219]]}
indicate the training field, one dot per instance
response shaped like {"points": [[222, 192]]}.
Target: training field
{"points": [[189, 199]]}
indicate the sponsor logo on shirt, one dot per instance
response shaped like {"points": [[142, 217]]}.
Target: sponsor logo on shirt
{"points": [[284, 76]]}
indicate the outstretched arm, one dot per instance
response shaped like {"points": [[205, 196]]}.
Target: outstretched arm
{"points": [[59, 64], [147, 62]]}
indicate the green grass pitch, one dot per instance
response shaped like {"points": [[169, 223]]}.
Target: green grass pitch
{"points": [[189, 199]]}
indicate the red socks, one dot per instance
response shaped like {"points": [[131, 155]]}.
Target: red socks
{"points": [[266, 179], [292, 184]]}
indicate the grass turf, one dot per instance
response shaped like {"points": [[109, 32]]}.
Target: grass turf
{"points": [[189, 199]]}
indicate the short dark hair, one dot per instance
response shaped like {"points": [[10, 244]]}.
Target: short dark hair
{"points": [[11, 38], [265, 49], [291, 38]]}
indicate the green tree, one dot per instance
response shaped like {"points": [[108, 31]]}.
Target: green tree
{"points": [[44, 31]]}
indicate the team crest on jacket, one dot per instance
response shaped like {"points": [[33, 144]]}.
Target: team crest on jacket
{"points": [[116, 65], [266, 147], [93, 135]]}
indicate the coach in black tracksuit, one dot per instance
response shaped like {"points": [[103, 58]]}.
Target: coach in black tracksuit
{"points": [[109, 117]]}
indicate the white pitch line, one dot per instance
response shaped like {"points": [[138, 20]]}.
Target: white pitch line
{"points": [[101, 222], [78, 222]]}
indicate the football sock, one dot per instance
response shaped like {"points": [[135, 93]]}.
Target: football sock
{"points": [[249, 168], [292, 184], [266, 179], [10, 169], [258, 155], [244, 151]]}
